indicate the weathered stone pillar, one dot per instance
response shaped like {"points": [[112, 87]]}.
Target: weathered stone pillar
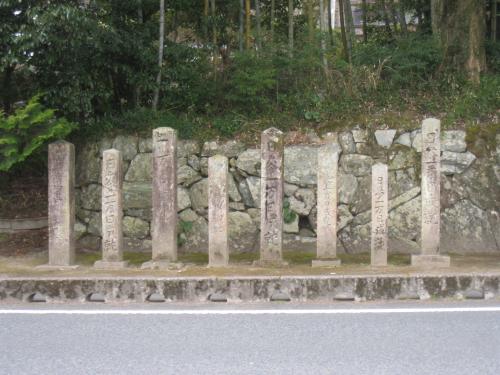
{"points": [[326, 231], [61, 205], [271, 207], [380, 196], [112, 211], [164, 222], [218, 251], [431, 208]]}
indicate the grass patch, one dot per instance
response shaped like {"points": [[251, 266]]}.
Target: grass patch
{"points": [[293, 257]]}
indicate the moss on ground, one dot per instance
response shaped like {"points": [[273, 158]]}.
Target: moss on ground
{"points": [[293, 257]]}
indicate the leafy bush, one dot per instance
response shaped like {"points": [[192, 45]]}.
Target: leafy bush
{"points": [[251, 81], [406, 63], [24, 132]]}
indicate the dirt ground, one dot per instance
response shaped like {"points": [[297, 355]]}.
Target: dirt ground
{"points": [[23, 264]]}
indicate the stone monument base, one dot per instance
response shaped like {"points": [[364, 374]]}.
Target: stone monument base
{"points": [[270, 263], [105, 265], [430, 261], [161, 265], [334, 262], [51, 267]]}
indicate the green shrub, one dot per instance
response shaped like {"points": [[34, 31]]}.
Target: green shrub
{"points": [[25, 131], [251, 83]]}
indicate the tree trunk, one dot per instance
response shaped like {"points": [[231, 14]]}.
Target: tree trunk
{"points": [[258, 25], [323, 32], [349, 26], [460, 26], [140, 19], [214, 26], [402, 18], [205, 20], [242, 25], [248, 27], [161, 40], [272, 15], [365, 21], [330, 23], [310, 20], [343, 31], [394, 15], [290, 27], [385, 15]]}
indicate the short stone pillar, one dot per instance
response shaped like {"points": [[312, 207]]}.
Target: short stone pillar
{"points": [[326, 231], [61, 205], [218, 250], [271, 193], [431, 208], [380, 198], [164, 200], [112, 212]]}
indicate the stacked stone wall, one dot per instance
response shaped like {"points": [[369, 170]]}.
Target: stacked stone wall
{"points": [[470, 192]]}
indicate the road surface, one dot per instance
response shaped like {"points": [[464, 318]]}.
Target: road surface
{"points": [[340, 338]]}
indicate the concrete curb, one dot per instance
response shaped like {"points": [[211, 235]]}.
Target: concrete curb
{"points": [[17, 225], [252, 289]]}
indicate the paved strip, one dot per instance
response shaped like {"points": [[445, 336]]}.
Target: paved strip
{"points": [[251, 312], [459, 338]]}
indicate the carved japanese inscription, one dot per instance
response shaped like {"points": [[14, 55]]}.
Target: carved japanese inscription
{"points": [[164, 223], [328, 157], [430, 186], [61, 204], [112, 211], [379, 233], [218, 251], [271, 233]]}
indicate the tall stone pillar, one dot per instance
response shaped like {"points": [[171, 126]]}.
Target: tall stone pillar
{"points": [[218, 250], [271, 207], [164, 222], [326, 231], [380, 197], [431, 208], [112, 211], [61, 205]]}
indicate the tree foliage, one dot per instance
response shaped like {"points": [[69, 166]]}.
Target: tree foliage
{"points": [[28, 129]]}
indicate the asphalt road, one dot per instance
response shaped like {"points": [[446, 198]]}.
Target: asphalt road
{"points": [[231, 340]]}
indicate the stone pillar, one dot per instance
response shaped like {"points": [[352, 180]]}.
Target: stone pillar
{"points": [[431, 208], [61, 205], [380, 197], [164, 222], [271, 197], [112, 211], [326, 243], [218, 251]]}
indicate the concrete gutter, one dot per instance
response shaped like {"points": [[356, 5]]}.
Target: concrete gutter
{"points": [[251, 289]]}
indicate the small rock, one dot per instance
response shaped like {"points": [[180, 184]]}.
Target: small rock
{"points": [[346, 141], [188, 215], [416, 140], [187, 147], [360, 135], [187, 176], [232, 189], [453, 140], [145, 145], [404, 139], [183, 200], [359, 165], [135, 228], [454, 162], [385, 137], [249, 161], [194, 162], [127, 144], [199, 194]]}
